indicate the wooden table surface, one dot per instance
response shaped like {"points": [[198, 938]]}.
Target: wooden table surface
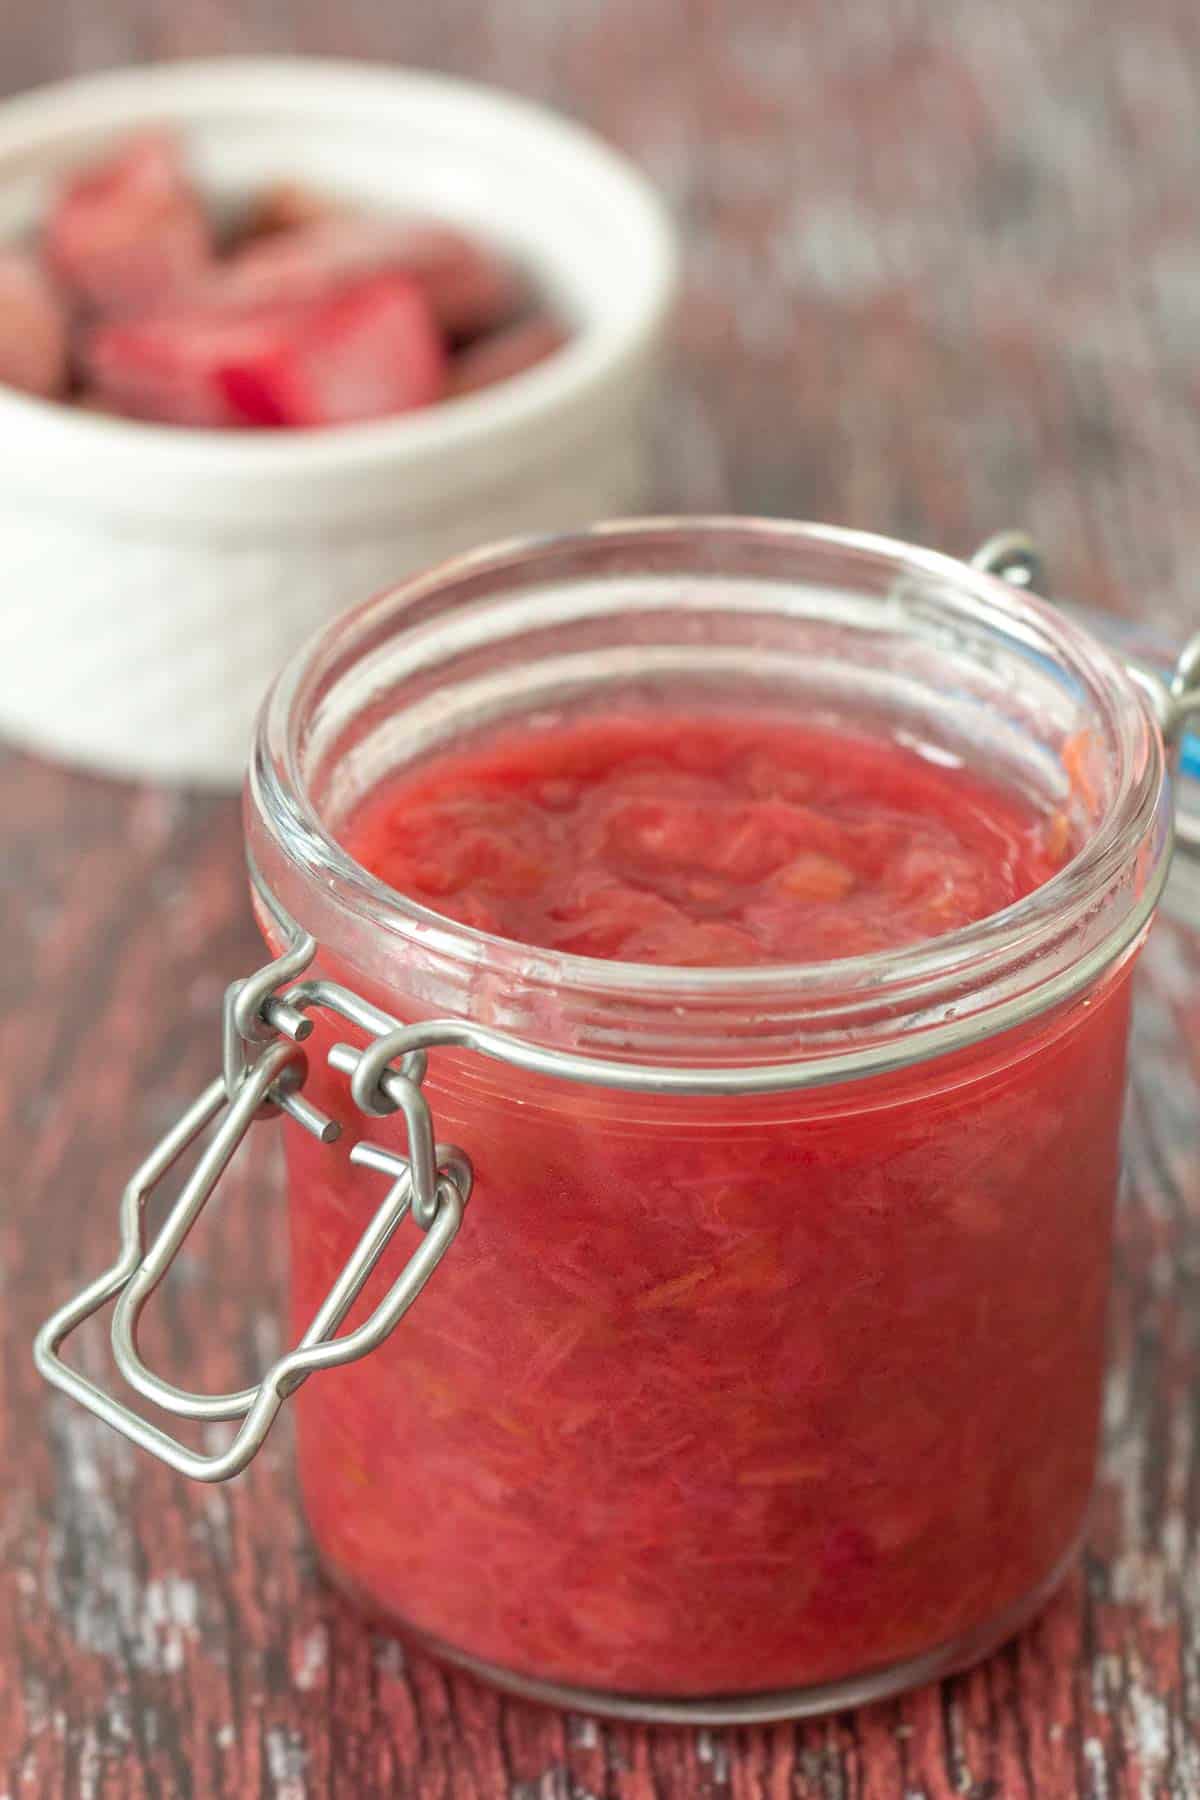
{"points": [[942, 277]]}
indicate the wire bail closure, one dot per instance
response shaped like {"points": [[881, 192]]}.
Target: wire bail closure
{"points": [[267, 1019], [1174, 696], [433, 1183]]}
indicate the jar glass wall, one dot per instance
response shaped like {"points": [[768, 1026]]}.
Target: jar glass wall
{"points": [[762, 1399]]}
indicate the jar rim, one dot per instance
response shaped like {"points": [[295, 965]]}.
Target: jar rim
{"points": [[909, 973]]}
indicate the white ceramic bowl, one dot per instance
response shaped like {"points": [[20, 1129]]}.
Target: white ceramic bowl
{"points": [[155, 578]]}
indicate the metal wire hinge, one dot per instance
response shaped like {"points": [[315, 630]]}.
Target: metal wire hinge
{"points": [[433, 1182], [1173, 695], [1175, 698]]}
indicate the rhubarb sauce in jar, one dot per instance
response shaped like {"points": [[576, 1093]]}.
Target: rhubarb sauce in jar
{"points": [[770, 895]]}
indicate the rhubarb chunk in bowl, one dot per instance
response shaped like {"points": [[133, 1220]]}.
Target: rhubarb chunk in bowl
{"points": [[285, 331]]}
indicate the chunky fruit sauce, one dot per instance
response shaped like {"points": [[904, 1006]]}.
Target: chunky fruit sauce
{"points": [[703, 841], [716, 1396]]}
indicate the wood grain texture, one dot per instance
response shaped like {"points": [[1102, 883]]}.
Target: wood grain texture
{"points": [[942, 276]]}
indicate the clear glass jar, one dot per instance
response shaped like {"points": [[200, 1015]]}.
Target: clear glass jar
{"points": [[764, 1375]]}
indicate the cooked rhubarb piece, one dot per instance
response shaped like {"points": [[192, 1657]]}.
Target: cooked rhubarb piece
{"points": [[504, 353], [282, 208], [130, 231], [469, 287], [33, 327], [367, 348]]}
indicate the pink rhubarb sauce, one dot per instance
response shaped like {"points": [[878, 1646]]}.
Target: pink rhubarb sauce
{"points": [[716, 1396]]}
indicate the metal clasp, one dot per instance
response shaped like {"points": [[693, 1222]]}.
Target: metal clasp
{"points": [[1174, 696], [433, 1182]]}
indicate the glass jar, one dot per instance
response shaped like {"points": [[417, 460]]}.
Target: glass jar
{"points": [[761, 1375]]}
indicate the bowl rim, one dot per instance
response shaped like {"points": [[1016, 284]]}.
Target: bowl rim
{"points": [[549, 398]]}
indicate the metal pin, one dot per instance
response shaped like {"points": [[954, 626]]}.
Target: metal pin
{"points": [[288, 1019], [318, 1124]]}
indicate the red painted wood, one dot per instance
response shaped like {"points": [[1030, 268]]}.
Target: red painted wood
{"points": [[941, 278]]}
